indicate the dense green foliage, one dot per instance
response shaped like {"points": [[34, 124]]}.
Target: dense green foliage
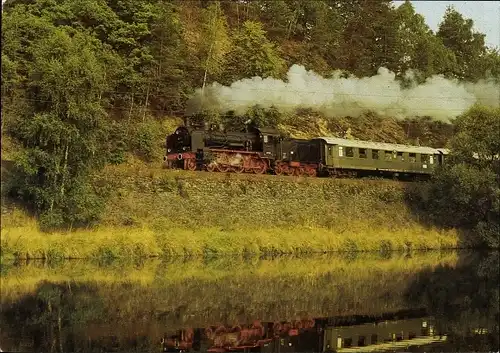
{"points": [[465, 193], [84, 81], [463, 299]]}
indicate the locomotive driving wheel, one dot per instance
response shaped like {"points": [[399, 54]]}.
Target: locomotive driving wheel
{"points": [[310, 171], [278, 169], [239, 168], [190, 164], [211, 167], [223, 163], [222, 168], [260, 167]]}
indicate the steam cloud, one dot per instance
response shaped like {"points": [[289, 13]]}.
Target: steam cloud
{"points": [[437, 97]]}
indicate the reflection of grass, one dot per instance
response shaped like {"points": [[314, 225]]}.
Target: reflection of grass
{"points": [[21, 280]]}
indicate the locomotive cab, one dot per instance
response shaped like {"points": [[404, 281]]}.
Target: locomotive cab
{"points": [[270, 140]]}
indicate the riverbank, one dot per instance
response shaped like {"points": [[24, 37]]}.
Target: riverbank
{"points": [[158, 212]]}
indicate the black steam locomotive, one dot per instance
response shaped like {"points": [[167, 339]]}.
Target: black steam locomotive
{"points": [[259, 150], [251, 149]]}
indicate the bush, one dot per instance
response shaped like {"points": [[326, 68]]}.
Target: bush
{"points": [[143, 141]]}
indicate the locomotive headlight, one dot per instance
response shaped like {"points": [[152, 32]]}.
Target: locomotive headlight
{"points": [[169, 150]]}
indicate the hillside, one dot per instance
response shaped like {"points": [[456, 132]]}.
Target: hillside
{"points": [[86, 84]]}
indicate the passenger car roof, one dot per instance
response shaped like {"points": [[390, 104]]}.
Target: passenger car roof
{"points": [[381, 145]]}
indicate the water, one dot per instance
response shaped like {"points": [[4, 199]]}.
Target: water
{"points": [[423, 302]]}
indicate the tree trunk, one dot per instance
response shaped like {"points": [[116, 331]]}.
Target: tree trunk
{"points": [[131, 107], [65, 167], [145, 105], [237, 14], [205, 75]]}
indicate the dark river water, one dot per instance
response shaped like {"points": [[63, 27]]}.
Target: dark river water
{"points": [[419, 302]]}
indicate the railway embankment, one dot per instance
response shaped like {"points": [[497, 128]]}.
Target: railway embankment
{"points": [[156, 212]]}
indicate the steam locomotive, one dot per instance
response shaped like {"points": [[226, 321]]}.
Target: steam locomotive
{"points": [[260, 150]]}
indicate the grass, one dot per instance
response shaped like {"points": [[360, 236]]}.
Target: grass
{"points": [[113, 242]]}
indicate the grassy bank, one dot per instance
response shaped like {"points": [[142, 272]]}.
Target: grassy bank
{"points": [[158, 212]]}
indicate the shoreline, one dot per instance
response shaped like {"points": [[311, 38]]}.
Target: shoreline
{"points": [[137, 243]]}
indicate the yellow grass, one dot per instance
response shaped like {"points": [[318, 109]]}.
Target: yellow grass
{"points": [[20, 238]]}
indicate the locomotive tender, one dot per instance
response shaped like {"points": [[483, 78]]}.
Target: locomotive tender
{"points": [[262, 150]]}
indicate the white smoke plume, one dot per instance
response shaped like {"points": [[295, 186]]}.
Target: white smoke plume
{"points": [[438, 97]]}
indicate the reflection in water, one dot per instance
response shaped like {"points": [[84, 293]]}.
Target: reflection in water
{"points": [[307, 336], [285, 305]]}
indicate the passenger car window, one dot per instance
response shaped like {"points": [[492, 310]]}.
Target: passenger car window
{"points": [[362, 153], [412, 157], [341, 151], [349, 152], [374, 154]]}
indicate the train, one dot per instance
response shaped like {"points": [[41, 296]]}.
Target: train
{"points": [[264, 150], [308, 335]]}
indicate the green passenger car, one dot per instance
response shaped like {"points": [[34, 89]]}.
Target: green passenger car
{"points": [[340, 156]]}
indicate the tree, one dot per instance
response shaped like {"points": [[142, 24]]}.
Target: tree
{"points": [[469, 48], [492, 64], [63, 129], [477, 133], [277, 18], [253, 54], [215, 42], [368, 36], [165, 76], [418, 49], [307, 32], [465, 193]]}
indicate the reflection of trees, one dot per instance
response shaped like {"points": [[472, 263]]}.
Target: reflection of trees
{"points": [[51, 316], [108, 313], [464, 300]]}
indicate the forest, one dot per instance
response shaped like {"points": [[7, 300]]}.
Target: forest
{"points": [[85, 83]]}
